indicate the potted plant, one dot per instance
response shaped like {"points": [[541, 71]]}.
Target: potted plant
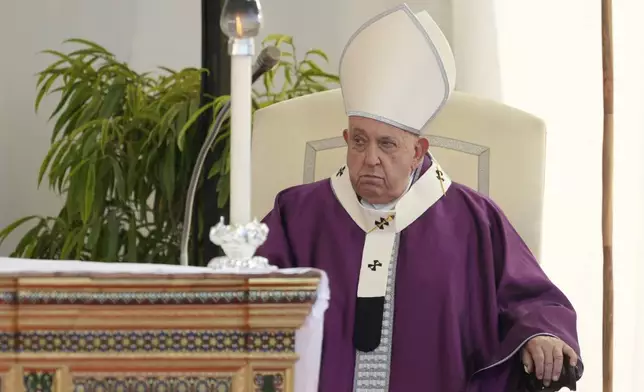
{"points": [[122, 152]]}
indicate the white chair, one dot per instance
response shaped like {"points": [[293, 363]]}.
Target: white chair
{"points": [[488, 146]]}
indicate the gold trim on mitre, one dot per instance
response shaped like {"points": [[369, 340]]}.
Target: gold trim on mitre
{"points": [[398, 68]]}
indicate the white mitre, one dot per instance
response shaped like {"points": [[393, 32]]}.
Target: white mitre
{"points": [[397, 68]]}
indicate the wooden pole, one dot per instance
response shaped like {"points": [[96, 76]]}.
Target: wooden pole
{"points": [[607, 196]]}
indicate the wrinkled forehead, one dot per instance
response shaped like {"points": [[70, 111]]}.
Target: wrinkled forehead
{"points": [[372, 127]]}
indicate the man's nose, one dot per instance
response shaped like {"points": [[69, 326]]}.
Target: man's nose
{"points": [[371, 156]]}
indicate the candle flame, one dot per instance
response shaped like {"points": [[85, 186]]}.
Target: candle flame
{"points": [[238, 26]]}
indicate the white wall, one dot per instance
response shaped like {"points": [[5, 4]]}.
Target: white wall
{"points": [[145, 33]]}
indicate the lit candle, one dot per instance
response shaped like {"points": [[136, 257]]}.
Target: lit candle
{"points": [[241, 21]]}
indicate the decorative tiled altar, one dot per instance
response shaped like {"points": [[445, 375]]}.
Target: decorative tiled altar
{"points": [[151, 331]]}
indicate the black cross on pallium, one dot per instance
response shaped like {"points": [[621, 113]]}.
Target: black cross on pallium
{"points": [[381, 223], [373, 266], [340, 172], [439, 175]]}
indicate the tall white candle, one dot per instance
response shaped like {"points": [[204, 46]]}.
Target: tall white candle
{"points": [[240, 139]]}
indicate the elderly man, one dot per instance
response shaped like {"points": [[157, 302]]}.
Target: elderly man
{"points": [[431, 287]]}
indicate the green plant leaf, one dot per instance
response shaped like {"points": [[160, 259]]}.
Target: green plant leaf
{"points": [[90, 141], [268, 80], [45, 89], [168, 70], [52, 68], [215, 168], [119, 181], [68, 246], [113, 236], [278, 39], [14, 225], [91, 44], [130, 168], [190, 122], [165, 125], [28, 241], [89, 193], [223, 190], [131, 240], [78, 166], [61, 56], [287, 77], [318, 52], [45, 163], [68, 91], [75, 107], [92, 108], [112, 99], [76, 191], [314, 69], [94, 236], [169, 171]]}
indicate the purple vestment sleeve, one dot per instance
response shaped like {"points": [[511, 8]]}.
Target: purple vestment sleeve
{"points": [[529, 303], [277, 248]]}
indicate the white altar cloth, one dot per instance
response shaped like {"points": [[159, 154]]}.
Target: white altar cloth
{"points": [[308, 339]]}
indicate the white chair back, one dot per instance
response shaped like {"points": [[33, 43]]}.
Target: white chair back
{"points": [[488, 146]]}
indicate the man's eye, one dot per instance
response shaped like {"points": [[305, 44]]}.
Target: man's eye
{"points": [[387, 144], [358, 141]]}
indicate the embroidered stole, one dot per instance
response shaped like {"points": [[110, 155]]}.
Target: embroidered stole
{"points": [[374, 315]]}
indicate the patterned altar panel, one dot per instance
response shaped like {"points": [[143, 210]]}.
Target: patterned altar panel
{"points": [[269, 382], [151, 333], [165, 383], [167, 341], [37, 380]]}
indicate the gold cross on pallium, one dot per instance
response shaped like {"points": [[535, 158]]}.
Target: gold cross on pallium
{"points": [[381, 223]]}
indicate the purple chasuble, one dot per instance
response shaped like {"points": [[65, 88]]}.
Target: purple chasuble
{"points": [[464, 293]]}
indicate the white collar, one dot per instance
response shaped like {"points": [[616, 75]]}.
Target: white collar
{"points": [[422, 194]]}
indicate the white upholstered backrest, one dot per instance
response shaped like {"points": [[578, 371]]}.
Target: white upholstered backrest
{"points": [[488, 146]]}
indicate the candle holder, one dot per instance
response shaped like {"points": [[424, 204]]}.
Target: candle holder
{"points": [[241, 21], [239, 243]]}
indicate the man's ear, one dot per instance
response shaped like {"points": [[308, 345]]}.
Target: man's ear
{"points": [[345, 135], [422, 146]]}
